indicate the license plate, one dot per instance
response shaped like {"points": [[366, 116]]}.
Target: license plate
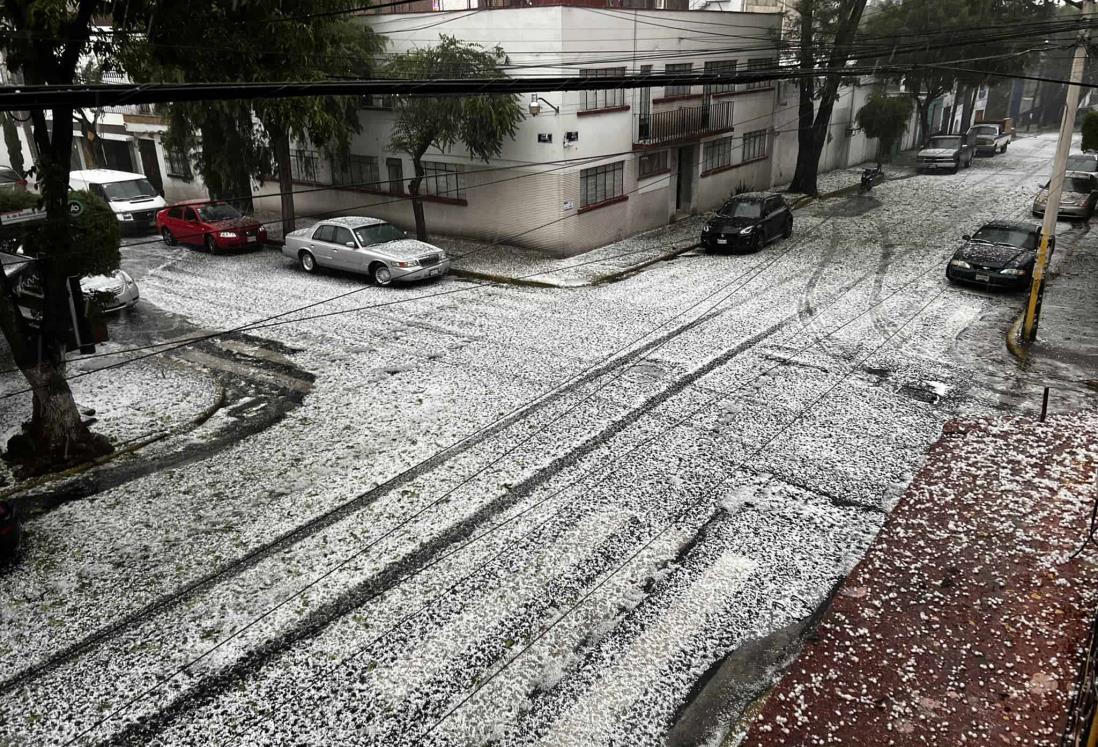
{"points": [[722, 241], [983, 278], [251, 239], [433, 272]]}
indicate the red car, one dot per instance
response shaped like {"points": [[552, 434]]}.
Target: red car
{"points": [[214, 225]]}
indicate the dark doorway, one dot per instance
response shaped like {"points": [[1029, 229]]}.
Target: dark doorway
{"points": [[150, 164], [116, 154], [684, 192]]}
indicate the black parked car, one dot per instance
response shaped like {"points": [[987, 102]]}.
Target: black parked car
{"points": [[999, 255], [748, 222]]}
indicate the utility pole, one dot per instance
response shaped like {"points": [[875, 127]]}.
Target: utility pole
{"points": [[1056, 182]]}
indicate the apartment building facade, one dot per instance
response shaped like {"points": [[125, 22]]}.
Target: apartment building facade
{"points": [[586, 167]]}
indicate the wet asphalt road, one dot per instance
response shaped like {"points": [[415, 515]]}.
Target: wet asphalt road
{"points": [[513, 515]]}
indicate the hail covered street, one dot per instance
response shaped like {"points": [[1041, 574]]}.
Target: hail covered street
{"points": [[501, 514]]}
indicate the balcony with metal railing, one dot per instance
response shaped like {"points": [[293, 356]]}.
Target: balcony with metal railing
{"points": [[683, 124]]}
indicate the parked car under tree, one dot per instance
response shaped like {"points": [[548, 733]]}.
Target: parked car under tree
{"points": [[216, 226], [368, 246], [946, 152]]}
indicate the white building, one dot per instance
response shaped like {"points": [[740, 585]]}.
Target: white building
{"points": [[592, 167]]}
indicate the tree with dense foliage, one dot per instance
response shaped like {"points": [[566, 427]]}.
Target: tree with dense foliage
{"points": [[300, 40], [822, 42], [885, 118], [44, 40], [480, 123]]}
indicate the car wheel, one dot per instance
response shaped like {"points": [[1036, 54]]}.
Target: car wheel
{"points": [[381, 274], [757, 241], [788, 230], [211, 245], [1004, 147], [308, 261], [956, 166], [168, 238]]}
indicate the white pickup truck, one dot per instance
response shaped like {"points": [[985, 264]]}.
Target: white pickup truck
{"points": [[989, 138]]}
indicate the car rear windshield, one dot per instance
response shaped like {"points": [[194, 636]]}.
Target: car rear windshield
{"points": [[986, 129], [1082, 163], [218, 212], [379, 234], [945, 142], [742, 209], [129, 190], [1001, 235], [1077, 185]]}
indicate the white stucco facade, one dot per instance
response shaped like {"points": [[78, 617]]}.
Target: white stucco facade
{"points": [[658, 148]]}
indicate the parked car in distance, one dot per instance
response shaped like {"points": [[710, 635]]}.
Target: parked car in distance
{"points": [[11, 181], [1000, 255], [112, 292], [216, 226], [1006, 124], [1078, 198], [1083, 162], [748, 222], [131, 197], [365, 245], [988, 137], [946, 152]]}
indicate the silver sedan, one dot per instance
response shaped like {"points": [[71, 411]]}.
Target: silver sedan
{"points": [[366, 245]]}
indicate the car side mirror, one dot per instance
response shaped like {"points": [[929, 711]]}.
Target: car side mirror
{"points": [[966, 237], [350, 244]]}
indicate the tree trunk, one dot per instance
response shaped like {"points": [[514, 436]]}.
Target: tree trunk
{"points": [[811, 142], [968, 106], [923, 108], [13, 144], [280, 139], [417, 202]]}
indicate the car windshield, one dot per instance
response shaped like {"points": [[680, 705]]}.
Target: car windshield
{"points": [[945, 142], [128, 190], [217, 212], [1082, 163], [1076, 185], [986, 130], [379, 234], [742, 209], [1011, 236]]}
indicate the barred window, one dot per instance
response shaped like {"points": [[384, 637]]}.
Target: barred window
{"points": [[603, 99], [179, 165], [650, 164], [717, 67], [717, 154], [602, 183], [444, 179], [754, 145], [304, 165], [682, 68], [760, 64], [356, 171]]}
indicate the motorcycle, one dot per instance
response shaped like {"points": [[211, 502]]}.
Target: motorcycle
{"points": [[870, 178]]}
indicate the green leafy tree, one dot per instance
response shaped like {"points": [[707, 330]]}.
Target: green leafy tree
{"points": [[44, 41], [823, 38], [479, 123], [238, 141], [885, 118]]}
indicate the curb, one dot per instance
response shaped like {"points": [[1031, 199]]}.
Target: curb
{"points": [[501, 279], [134, 446], [1014, 342]]}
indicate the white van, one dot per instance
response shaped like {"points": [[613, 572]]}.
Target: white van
{"points": [[134, 201]]}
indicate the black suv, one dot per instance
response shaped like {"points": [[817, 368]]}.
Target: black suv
{"points": [[1000, 255], [748, 222]]}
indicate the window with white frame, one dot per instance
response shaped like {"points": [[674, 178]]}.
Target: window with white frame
{"points": [[443, 179], [359, 172], [758, 65], [602, 183], [608, 99], [304, 165], [717, 67], [679, 68], [179, 165], [716, 154], [754, 145], [651, 164]]}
